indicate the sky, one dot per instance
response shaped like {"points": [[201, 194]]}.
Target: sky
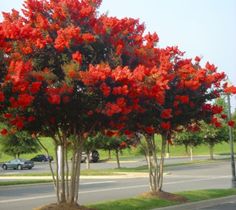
{"points": [[205, 28]]}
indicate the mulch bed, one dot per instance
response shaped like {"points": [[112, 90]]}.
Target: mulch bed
{"points": [[63, 206], [165, 196]]}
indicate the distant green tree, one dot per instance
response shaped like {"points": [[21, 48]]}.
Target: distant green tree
{"points": [[212, 136], [114, 143], [188, 138], [19, 143]]}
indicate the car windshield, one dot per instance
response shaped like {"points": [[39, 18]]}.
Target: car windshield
{"points": [[21, 160]]}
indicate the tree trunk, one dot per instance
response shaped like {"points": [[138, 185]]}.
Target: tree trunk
{"points": [[191, 153], [117, 158], [168, 151], [67, 179], [88, 160], [155, 170], [211, 150], [186, 149], [109, 154], [161, 167], [152, 163]]}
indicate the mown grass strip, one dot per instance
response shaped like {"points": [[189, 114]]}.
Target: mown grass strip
{"points": [[23, 182], [141, 203]]}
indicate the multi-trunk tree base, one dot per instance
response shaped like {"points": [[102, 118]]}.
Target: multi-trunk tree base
{"points": [[63, 206]]}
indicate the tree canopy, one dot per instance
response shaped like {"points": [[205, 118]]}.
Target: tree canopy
{"points": [[68, 72]]}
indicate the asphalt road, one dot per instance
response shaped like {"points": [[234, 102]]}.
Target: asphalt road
{"points": [[224, 206], [180, 178], [44, 167]]}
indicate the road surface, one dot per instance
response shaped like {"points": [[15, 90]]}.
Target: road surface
{"points": [[179, 178]]}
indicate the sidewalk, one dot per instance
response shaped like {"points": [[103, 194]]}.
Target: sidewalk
{"points": [[202, 204]]}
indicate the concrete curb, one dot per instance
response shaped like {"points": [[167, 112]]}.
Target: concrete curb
{"points": [[120, 175], [200, 204]]}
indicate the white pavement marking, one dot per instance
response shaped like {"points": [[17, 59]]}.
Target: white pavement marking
{"points": [[27, 199], [194, 176], [98, 182], [111, 189]]}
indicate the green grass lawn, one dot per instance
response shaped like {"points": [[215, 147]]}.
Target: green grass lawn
{"points": [[141, 203], [129, 154], [23, 182]]}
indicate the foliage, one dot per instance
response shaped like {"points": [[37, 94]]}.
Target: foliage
{"points": [[212, 135], [187, 138], [19, 143]]}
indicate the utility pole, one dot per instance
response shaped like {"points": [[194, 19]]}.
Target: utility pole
{"points": [[231, 142]]}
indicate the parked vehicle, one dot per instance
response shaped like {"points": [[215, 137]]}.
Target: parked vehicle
{"points": [[42, 158], [94, 156], [18, 164]]}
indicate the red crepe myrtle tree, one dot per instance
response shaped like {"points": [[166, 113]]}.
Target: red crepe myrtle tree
{"points": [[185, 102], [52, 55], [168, 93], [67, 72]]}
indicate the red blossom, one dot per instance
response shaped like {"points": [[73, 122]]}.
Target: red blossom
{"points": [[2, 97], [165, 125], [206, 107], [127, 132], [77, 57], [106, 90], [217, 109], [87, 37], [4, 132], [19, 124], [35, 87], [54, 99], [150, 129], [231, 123], [197, 59], [31, 119], [24, 100], [223, 116], [111, 133], [230, 90], [183, 99], [211, 67], [8, 115], [166, 114], [123, 145], [216, 122]]}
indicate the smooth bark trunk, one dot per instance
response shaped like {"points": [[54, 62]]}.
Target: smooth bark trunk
{"points": [[109, 154], [211, 150], [191, 153], [66, 176], [186, 149], [117, 158], [156, 169], [87, 160]]}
